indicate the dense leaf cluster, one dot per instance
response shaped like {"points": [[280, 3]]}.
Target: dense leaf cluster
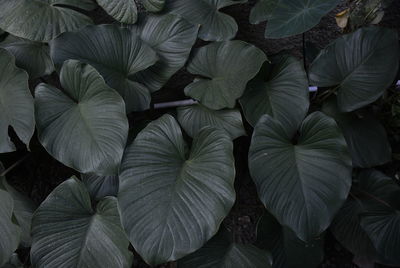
{"points": [[164, 187]]}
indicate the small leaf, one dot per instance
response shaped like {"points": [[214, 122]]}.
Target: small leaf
{"points": [[67, 232], [220, 252], [303, 184], [124, 11], [153, 5], [16, 103], [224, 68], [101, 186], [84, 126], [172, 38], [365, 136], [362, 65], [280, 90], [262, 11], [40, 20], [116, 53], [23, 210], [9, 232], [215, 25], [193, 118], [174, 199], [34, 57]]}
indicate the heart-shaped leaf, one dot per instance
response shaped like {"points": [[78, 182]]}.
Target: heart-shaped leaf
{"points": [[16, 103], [84, 126], [305, 182], [34, 57], [9, 232], [174, 199], [42, 20], [220, 252], [381, 216], [153, 5], [101, 186], [116, 52], [23, 210], [215, 25], [172, 37], [124, 11], [193, 118], [280, 90], [286, 247], [224, 68], [365, 136], [362, 65], [291, 17], [68, 232]]}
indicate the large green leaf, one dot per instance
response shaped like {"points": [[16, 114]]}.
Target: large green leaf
{"points": [[220, 252], [101, 186], [224, 68], [16, 103], [124, 11], [84, 126], [9, 232], [365, 136], [193, 118], [68, 232], [153, 5], [23, 210], [42, 20], [172, 38], [285, 247], [117, 53], [291, 17], [174, 199], [215, 25], [302, 183], [381, 216], [362, 65], [280, 90], [34, 57]]}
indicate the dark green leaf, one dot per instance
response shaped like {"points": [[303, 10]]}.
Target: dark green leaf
{"points": [[286, 248], [153, 5], [101, 186], [220, 252], [172, 38], [67, 232], [262, 11], [174, 199], [42, 20], [303, 184], [193, 118], [16, 103], [280, 90], [224, 68], [84, 126], [291, 17], [362, 65], [365, 136], [116, 53], [215, 25], [124, 11], [34, 57], [9, 232]]}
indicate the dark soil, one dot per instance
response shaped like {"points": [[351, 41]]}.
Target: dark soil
{"points": [[39, 173]]}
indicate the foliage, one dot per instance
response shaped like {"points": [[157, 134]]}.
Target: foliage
{"points": [[162, 185]]}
